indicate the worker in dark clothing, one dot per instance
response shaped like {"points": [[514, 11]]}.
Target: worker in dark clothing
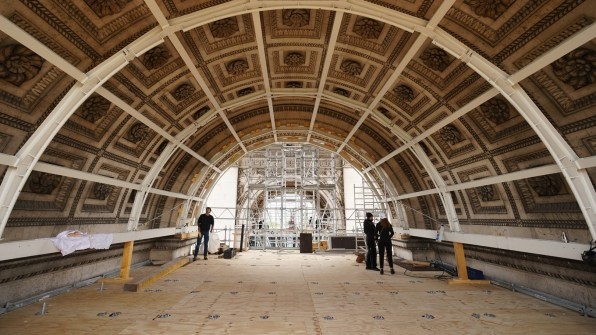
{"points": [[384, 230], [371, 248]]}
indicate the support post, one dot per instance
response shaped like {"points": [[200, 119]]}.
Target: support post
{"points": [[126, 260], [462, 269]]}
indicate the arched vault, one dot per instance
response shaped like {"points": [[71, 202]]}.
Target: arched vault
{"points": [[481, 117]]}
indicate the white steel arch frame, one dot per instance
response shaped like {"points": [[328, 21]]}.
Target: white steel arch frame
{"points": [[569, 164]]}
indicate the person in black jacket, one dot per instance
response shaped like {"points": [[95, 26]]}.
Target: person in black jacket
{"points": [[384, 230], [371, 248], [205, 223]]}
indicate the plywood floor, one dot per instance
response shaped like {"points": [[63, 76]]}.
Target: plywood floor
{"points": [[286, 292]]}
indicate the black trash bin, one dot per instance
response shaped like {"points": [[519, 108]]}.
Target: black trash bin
{"points": [[306, 243]]}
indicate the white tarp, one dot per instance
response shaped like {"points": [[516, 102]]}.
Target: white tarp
{"points": [[214, 241]]}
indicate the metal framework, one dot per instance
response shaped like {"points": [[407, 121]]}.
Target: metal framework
{"points": [[292, 189]]}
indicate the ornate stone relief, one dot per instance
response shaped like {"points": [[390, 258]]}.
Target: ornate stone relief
{"points": [[183, 91], [404, 92], [156, 57], [94, 108], [486, 193], [237, 67], [546, 186], [368, 28], [245, 91], [137, 132], [18, 64], [224, 28], [294, 84], [200, 112], [296, 17], [489, 8], [106, 7], [341, 91], [496, 110], [295, 59], [576, 69], [450, 134], [101, 191], [351, 67], [43, 183], [436, 59]]}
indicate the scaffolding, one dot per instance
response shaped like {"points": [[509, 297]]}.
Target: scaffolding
{"points": [[291, 189]]}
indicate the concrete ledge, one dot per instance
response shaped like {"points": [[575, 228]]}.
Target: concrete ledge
{"points": [[140, 283]]}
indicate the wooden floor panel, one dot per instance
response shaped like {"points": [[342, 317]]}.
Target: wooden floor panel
{"points": [[285, 292]]}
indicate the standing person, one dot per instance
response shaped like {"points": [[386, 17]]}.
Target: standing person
{"points": [[371, 249], [385, 232], [205, 223]]}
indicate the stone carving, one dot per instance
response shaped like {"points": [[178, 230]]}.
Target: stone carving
{"points": [[106, 7], [137, 132], [94, 108], [450, 134], [341, 91], [43, 183], [200, 112], [351, 67], [224, 28], [237, 67], [496, 110], [577, 68], [156, 57], [385, 112], [368, 28], [486, 193], [404, 92], [19, 64], [546, 186], [246, 91], [436, 59], [296, 18], [183, 91], [295, 59], [101, 191], [489, 8], [294, 84], [161, 147]]}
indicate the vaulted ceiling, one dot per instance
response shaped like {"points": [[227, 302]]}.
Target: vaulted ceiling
{"points": [[121, 114]]}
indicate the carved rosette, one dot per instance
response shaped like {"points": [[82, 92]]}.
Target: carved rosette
{"points": [[237, 67], [295, 59], [43, 183], [496, 110], [404, 92], [450, 134], [368, 28], [351, 67], [436, 59], [224, 28], [489, 8], [577, 68], [101, 191], [183, 91], [296, 18], [294, 84], [18, 64], [156, 57], [546, 186], [137, 132], [486, 193], [94, 108]]}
